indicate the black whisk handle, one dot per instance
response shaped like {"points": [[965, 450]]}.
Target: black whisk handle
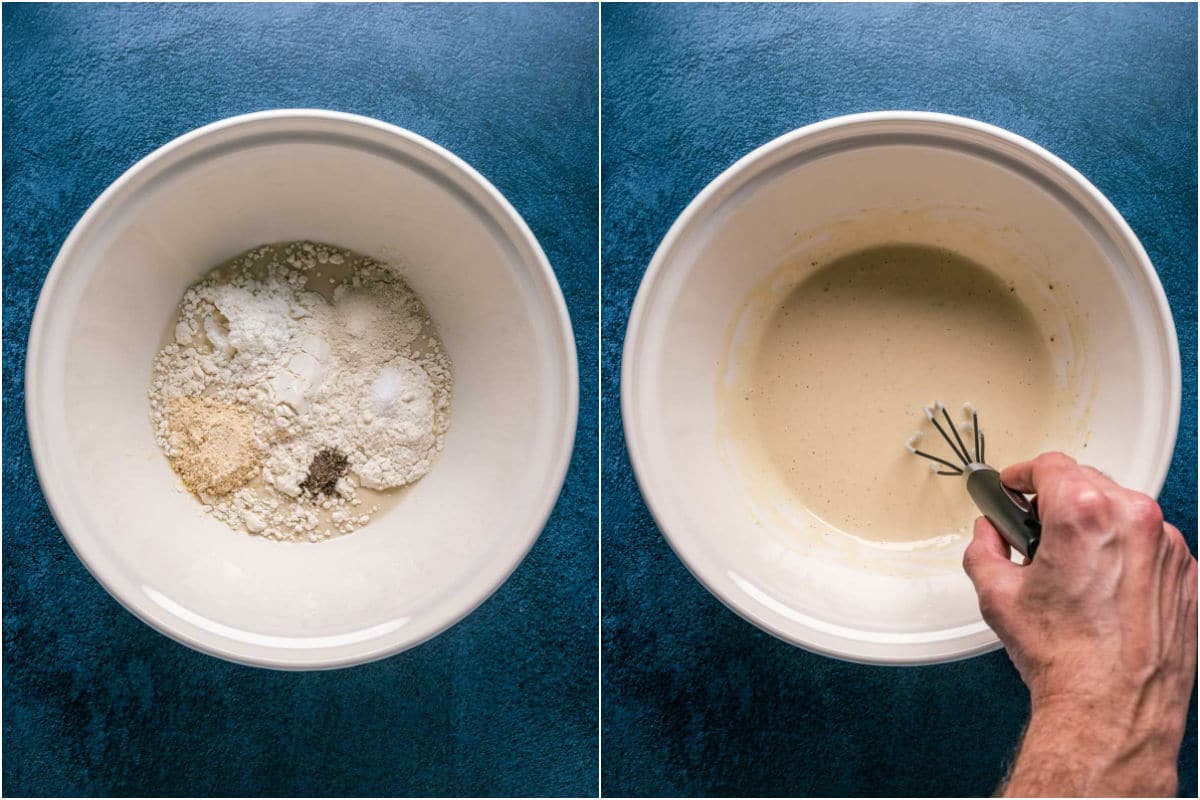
{"points": [[1012, 514]]}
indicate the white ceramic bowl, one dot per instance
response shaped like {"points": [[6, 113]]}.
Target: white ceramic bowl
{"points": [[354, 182], [964, 185]]}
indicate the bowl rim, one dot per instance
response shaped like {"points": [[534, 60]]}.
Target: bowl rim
{"points": [[977, 639], [478, 588]]}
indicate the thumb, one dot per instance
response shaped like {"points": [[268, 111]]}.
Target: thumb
{"points": [[987, 562]]}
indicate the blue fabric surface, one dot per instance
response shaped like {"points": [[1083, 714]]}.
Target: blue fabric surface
{"points": [[695, 700], [95, 702]]}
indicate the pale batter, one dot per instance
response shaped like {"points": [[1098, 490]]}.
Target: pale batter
{"points": [[843, 366]]}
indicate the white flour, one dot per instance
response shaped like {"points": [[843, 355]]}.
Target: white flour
{"points": [[363, 377]]}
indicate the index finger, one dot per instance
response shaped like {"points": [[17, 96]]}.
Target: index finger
{"points": [[1047, 468]]}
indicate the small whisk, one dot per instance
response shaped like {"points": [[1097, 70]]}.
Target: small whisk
{"points": [[1011, 512], [940, 465]]}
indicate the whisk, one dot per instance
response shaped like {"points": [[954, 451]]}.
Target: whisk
{"points": [[1012, 514]]}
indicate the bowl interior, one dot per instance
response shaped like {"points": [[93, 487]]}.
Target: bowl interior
{"points": [[834, 191], [457, 533]]}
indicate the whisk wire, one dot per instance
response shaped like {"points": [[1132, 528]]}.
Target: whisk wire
{"points": [[975, 429], [954, 429], [955, 467]]}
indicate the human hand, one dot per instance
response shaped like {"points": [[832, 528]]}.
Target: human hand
{"points": [[1101, 626]]}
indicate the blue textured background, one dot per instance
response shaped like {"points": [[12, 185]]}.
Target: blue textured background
{"points": [[696, 701], [95, 702]]}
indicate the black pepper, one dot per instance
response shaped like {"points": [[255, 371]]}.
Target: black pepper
{"points": [[327, 467]]}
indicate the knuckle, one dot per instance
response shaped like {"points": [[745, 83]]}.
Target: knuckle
{"points": [[1177, 557], [1087, 506], [1176, 544], [971, 557], [1176, 537], [1179, 547], [992, 602], [1144, 512], [1055, 459]]}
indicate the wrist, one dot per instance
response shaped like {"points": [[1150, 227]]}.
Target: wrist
{"points": [[1080, 745], [1121, 720]]}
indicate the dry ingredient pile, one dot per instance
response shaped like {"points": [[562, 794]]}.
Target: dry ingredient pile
{"points": [[300, 382]]}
